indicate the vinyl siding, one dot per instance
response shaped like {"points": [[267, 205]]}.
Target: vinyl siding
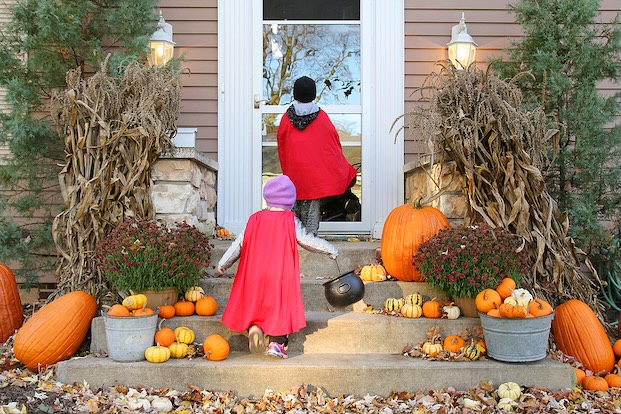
{"points": [[4, 18]]}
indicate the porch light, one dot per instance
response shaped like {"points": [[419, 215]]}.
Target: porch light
{"points": [[462, 48], [161, 45]]}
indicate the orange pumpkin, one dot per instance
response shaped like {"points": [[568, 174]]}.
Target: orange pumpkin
{"points": [[580, 374], [486, 300], [164, 336], [613, 380], [453, 343], [495, 313], [578, 332], [142, 312], [216, 348], [539, 307], [166, 311], [506, 287], [56, 331], [206, 306], [184, 308], [11, 310], [594, 383], [432, 309], [405, 229], [511, 310], [118, 310], [616, 348]]}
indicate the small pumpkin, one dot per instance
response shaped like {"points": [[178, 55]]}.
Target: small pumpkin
{"points": [[184, 308], [135, 301], [613, 380], [166, 311], [509, 390], [178, 349], [616, 348], [222, 232], [184, 334], [411, 311], [373, 273], [206, 306], [143, 312], [494, 313], [594, 383], [539, 307], [450, 311], [118, 310], [11, 310], [506, 287], [216, 348], [580, 374], [194, 293], [414, 299], [157, 354], [512, 310], [164, 336], [471, 352], [454, 343], [486, 300], [432, 348], [523, 295], [393, 304], [432, 309]]}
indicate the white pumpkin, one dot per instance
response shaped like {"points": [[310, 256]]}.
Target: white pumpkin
{"points": [[450, 312], [506, 404], [523, 296], [509, 390]]}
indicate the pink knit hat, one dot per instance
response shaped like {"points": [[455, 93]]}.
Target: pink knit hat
{"points": [[279, 192]]}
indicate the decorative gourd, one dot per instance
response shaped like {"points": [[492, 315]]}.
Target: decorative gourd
{"points": [[594, 383], [393, 304], [539, 307], [432, 309], [578, 332], [166, 311], [184, 308], [405, 229], [613, 380], [157, 354], [509, 390], [206, 306], [450, 311], [512, 309], [194, 293], [222, 232], [142, 312], [11, 310], [178, 349], [580, 374], [164, 336], [506, 404], [432, 348], [471, 352], [414, 299], [118, 310], [135, 301], [454, 343], [506, 287], [481, 347], [56, 331], [487, 299], [184, 334], [373, 273], [216, 348], [411, 311], [523, 296]]}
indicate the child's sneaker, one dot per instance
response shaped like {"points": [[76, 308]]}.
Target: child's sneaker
{"points": [[256, 340], [277, 350]]}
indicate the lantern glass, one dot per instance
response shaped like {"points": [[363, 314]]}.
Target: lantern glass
{"points": [[161, 52], [462, 55]]}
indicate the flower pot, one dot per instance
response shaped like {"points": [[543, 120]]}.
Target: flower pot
{"points": [[467, 306], [155, 299]]}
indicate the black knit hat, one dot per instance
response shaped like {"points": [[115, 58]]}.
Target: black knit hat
{"points": [[304, 89]]}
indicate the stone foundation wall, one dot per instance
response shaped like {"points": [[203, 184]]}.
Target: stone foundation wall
{"points": [[425, 180], [184, 188]]}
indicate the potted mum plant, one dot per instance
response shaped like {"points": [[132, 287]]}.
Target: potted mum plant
{"points": [[147, 256], [463, 260]]}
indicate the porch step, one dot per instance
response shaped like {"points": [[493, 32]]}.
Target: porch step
{"points": [[337, 374]]}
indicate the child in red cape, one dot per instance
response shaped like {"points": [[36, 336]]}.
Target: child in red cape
{"points": [[266, 298]]}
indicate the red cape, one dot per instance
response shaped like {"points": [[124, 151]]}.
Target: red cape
{"points": [[313, 158], [266, 290]]}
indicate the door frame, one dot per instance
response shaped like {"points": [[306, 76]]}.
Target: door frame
{"points": [[382, 100]]}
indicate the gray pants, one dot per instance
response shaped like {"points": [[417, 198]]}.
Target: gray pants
{"points": [[309, 214]]}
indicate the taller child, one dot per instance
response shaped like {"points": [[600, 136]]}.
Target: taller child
{"points": [[310, 153]]}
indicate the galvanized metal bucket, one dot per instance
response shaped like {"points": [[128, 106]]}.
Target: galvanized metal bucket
{"points": [[516, 340], [128, 337]]}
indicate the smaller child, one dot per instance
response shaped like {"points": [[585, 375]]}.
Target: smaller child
{"points": [[266, 297]]}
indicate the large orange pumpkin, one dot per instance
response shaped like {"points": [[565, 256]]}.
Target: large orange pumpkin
{"points": [[216, 348], [56, 331], [11, 311], [578, 332], [405, 229]]}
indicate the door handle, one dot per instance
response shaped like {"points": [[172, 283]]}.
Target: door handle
{"points": [[258, 100]]}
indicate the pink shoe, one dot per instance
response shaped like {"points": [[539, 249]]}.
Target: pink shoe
{"points": [[277, 350]]}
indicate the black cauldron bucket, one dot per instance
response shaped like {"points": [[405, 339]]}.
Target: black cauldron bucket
{"points": [[344, 290]]}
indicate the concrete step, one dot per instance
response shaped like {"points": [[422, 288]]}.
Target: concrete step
{"points": [[325, 332], [337, 374]]}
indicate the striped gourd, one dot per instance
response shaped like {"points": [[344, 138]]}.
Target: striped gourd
{"points": [[414, 299], [393, 304]]}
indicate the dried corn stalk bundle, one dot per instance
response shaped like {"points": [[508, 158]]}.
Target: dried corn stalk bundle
{"points": [[114, 131], [476, 120]]}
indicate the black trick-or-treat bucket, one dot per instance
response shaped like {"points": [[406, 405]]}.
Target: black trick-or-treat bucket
{"points": [[344, 290]]}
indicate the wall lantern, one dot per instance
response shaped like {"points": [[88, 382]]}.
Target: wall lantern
{"points": [[161, 44], [461, 48]]}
